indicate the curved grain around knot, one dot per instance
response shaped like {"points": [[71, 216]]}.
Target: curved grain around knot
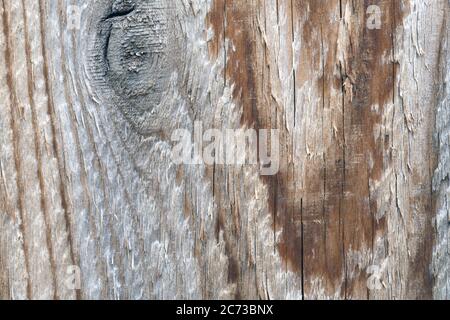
{"points": [[136, 60]]}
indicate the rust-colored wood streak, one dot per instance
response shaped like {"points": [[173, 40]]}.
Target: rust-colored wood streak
{"points": [[368, 76], [357, 210]]}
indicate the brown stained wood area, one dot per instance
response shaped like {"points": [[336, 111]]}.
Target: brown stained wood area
{"points": [[334, 208], [370, 75]]}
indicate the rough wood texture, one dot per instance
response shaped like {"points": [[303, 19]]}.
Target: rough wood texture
{"points": [[358, 210]]}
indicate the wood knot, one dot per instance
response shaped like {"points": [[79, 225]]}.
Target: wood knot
{"points": [[134, 58]]}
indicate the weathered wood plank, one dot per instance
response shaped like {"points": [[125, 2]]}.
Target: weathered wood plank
{"points": [[357, 210]]}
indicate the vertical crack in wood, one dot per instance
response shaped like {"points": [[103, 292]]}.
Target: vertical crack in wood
{"points": [[293, 60]]}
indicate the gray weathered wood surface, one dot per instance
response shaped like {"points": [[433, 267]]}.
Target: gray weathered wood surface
{"points": [[360, 206]]}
